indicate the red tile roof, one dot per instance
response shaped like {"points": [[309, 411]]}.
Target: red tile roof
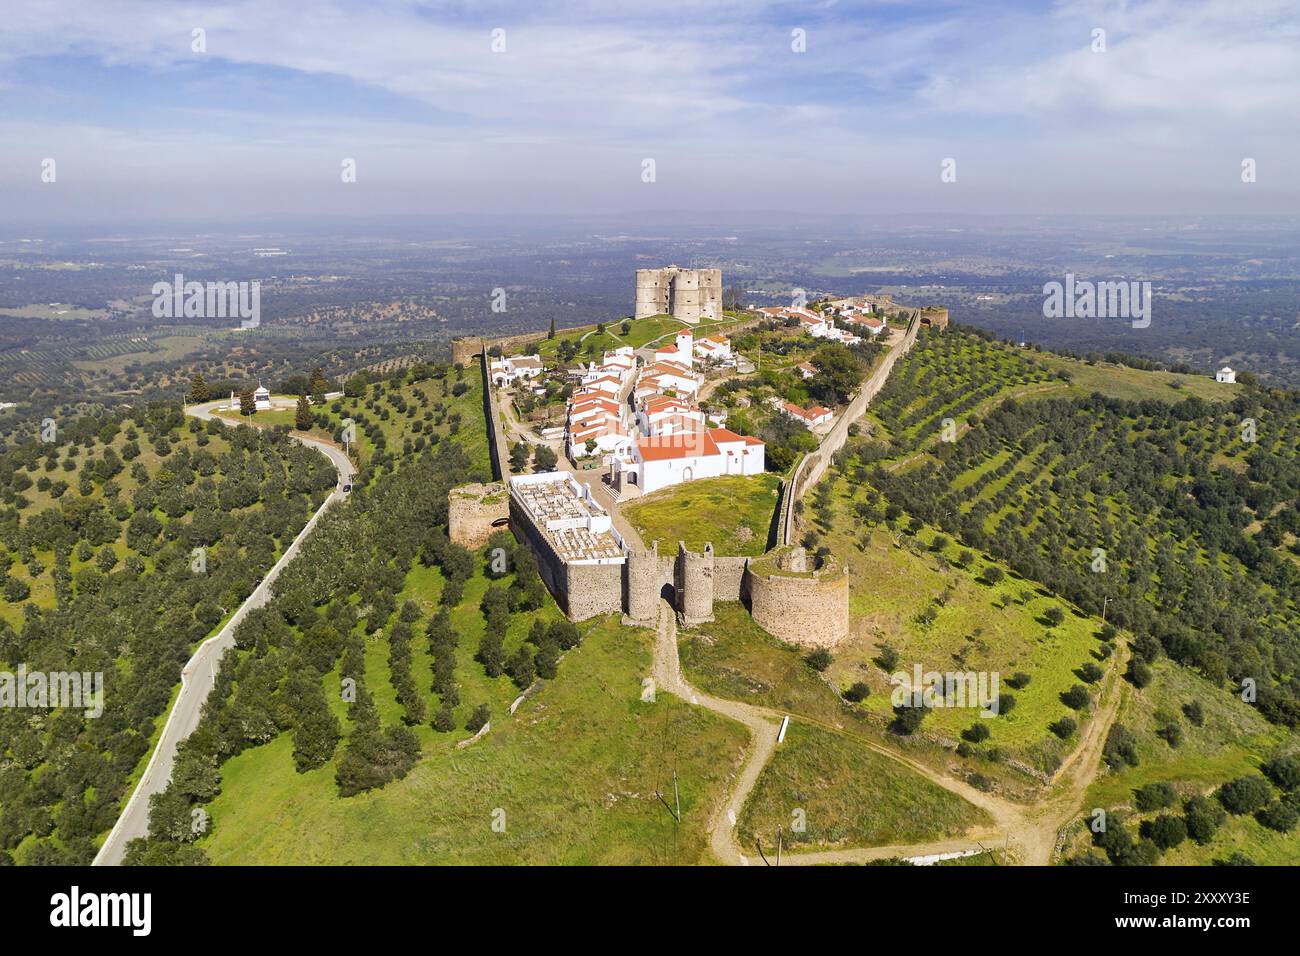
{"points": [[686, 445]]}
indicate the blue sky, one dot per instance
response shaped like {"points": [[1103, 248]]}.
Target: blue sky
{"points": [[141, 125]]}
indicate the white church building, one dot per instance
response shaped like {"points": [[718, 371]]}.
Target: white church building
{"points": [[658, 461]]}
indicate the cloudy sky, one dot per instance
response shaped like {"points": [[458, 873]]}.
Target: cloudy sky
{"points": [[562, 116]]}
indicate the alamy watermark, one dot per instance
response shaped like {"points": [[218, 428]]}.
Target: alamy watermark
{"points": [[42, 690], [212, 300], [954, 689], [1081, 299]]}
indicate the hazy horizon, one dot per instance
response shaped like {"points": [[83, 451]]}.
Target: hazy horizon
{"points": [[833, 108]]}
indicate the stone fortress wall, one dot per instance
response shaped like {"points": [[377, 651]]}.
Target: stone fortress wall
{"points": [[581, 590], [798, 603], [787, 598]]}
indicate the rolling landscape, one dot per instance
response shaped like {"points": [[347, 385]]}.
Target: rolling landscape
{"points": [[861, 437]]}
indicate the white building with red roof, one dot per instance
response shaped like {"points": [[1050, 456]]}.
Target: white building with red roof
{"points": [[809, 417], [663, 415], [682, 350], [603, 384], [873, 325], [596, 417], [666, 376], [659, 461]]}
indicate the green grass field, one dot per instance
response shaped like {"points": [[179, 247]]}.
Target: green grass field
{"points": [[734, 513], [849, 796], [641, 332], [573, 774], [1120, 381]]}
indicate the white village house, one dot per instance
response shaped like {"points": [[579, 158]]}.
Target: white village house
{"points": [[506, 371], [1226, 375]]}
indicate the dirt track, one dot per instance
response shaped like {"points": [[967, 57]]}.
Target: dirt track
{"points": [[1029, 833]]}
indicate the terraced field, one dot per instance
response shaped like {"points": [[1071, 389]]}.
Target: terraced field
{"points": [[954, 375], [1178, 517]]}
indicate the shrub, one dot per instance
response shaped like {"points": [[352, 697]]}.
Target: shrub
{"points": [[1284, 771], [1281, 815], [1064, 727], [1155, 796], [907, 720], [1194, 713], [1090, 672], [858, 692], [1204, 817], [1121, 748], [1053, 616], [445, 720], [1165, 831], [819, 659], [1138, 673], [521, 668], [1244, 795], [481, 715], [887, 659], [1019, 680], [976, 732], [1076, 698]]}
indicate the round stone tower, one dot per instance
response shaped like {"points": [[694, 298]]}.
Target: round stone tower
{"points": [[651, 292], [695, 584], [711, 293], [642, 600], [686, 295]]}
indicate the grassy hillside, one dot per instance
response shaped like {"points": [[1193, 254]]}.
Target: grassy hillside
{"points": [[127, 539], [640, 332], [1177, 517], [575, 770], [1231, 740], [401, 415], [849, 796], [734, 513]]}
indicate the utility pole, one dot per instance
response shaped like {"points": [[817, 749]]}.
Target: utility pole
{"points": [[780, 835]]}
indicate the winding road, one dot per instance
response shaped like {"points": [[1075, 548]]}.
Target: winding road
{"points": [[199, 674]]}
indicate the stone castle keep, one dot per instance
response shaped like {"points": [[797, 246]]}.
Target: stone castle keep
{"points": [[685, 294], [785, 594]]}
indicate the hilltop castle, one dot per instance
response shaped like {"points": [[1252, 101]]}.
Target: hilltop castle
{"points": [[591, 570], [685, 294]]}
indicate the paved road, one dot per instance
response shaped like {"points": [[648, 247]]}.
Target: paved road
{"points": [[198, 676]]}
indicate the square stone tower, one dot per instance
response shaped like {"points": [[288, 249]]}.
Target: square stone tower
{"points": [[686, 294]]}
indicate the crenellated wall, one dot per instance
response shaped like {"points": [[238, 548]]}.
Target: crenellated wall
{"points": [[642, 584], [806, 607], [695, 584]]}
